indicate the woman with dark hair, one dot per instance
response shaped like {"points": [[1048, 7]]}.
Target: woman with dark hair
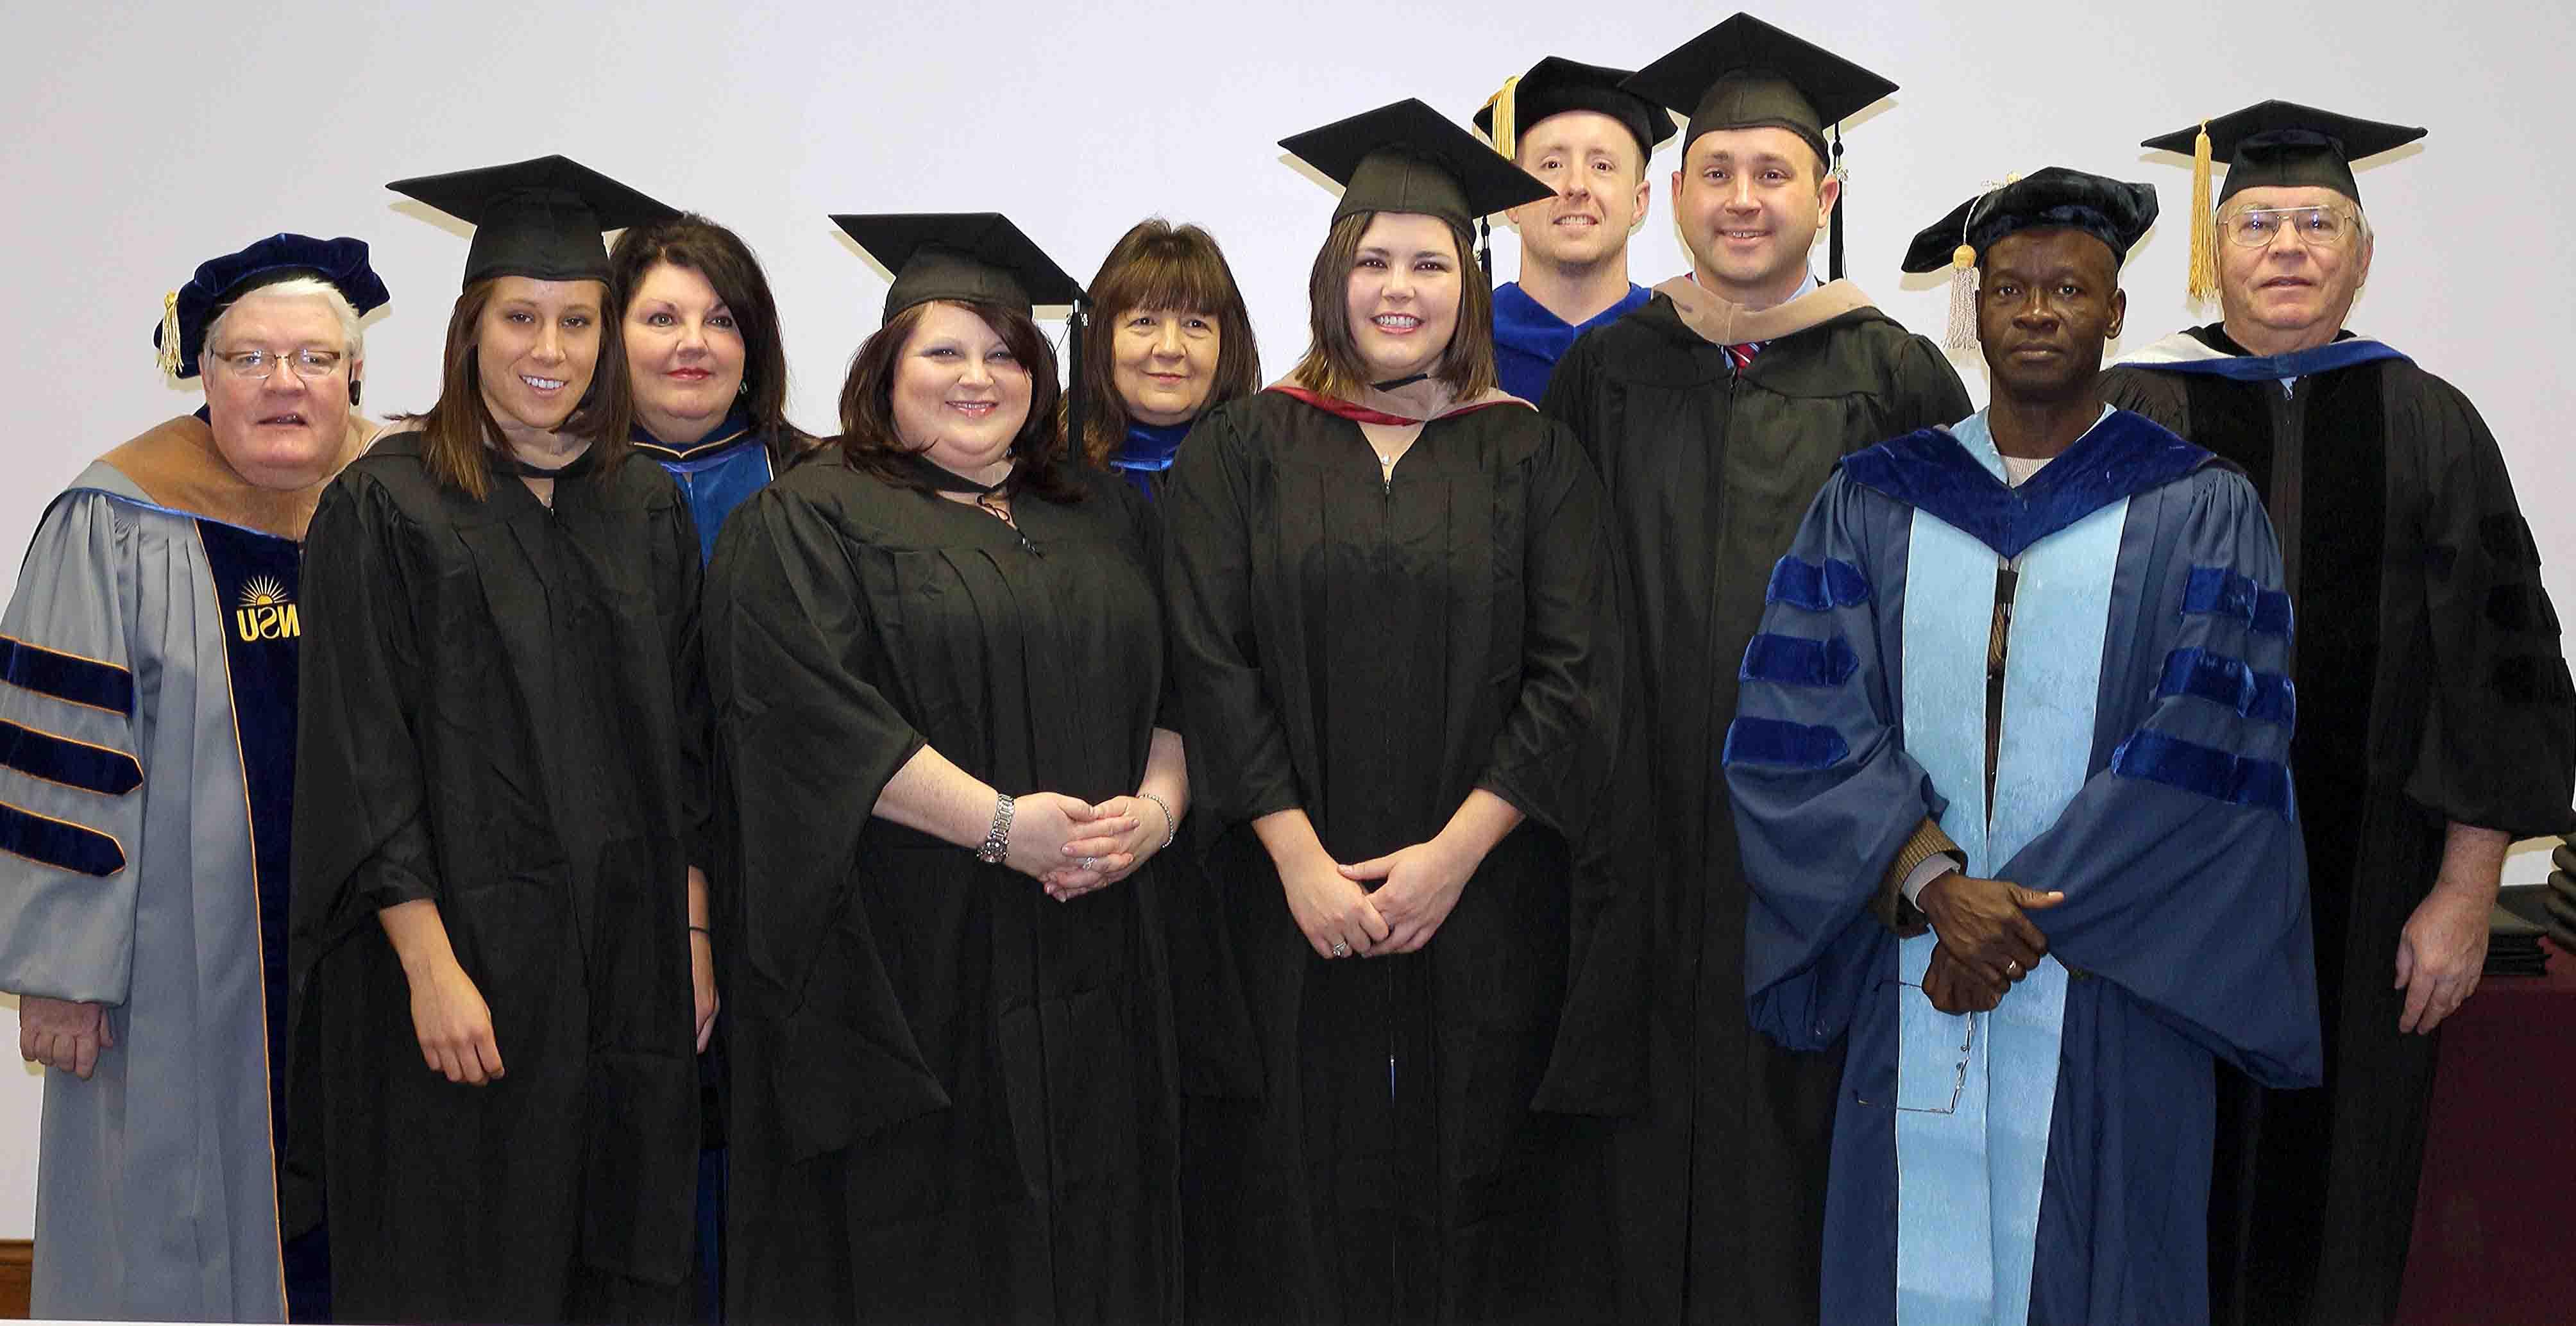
{"points": [[500, 942], [946, 776], [707, 363], [1391, 595], [1174, 341]]}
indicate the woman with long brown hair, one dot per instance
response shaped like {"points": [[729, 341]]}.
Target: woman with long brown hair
{"points": [[1391, 594], [1171, 341], [946, 777], [502, 954]]}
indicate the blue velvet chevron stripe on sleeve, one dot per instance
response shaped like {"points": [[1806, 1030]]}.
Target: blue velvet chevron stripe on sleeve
{"points": [[2204, 770], [2217, 591], [1787, 745], [2267, 697], [68, 677], [63, 760], [1791, 660], [1818, 586]]}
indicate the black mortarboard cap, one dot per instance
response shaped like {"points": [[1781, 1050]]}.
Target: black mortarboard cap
{"points": [[978, 257], [1556, 85], [962, 256], [542, 219], [1746, 74], [1407, 157], [2284, 144], [2115, 213], [188, 311]]}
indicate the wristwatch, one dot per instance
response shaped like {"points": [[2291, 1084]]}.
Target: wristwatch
{"points": [[997, 840]]}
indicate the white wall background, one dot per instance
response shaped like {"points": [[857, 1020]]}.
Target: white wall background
{"points": [[148, 136]]}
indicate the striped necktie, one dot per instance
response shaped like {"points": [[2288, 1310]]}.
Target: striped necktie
{"points": [[1742, 355]]}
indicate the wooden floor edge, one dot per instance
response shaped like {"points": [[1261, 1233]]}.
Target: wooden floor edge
{"points": [[17, 1263]]}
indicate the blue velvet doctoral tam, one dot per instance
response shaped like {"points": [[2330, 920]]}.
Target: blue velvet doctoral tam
{"points": [[2185, 925]]}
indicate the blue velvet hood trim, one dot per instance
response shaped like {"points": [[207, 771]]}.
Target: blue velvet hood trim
{"points": [[2273, 368], [1524, 324], [2123, 455], [1150, 447]]}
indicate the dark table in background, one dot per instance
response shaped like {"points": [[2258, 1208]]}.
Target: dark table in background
{"points": [[2494, 1241]]}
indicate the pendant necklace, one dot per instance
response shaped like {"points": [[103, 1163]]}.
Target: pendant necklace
{"points": [[984, 503]]}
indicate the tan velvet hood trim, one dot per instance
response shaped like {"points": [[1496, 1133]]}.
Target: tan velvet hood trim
{"points": [[177, 465], [1723, 323]]}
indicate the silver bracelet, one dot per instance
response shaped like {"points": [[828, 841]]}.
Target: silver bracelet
{"points": [[997, 840], [1171, 827]]}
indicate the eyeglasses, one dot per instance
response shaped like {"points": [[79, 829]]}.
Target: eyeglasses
{"points": [[2257, 227], [1958, 1078], [257, 365]]}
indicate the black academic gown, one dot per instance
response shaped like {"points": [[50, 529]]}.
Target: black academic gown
{"points": [[952, 1095], [1722, 1188], [503, 712], [2431, 689], [1408, 1146]]}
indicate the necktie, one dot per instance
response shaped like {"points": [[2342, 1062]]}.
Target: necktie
{"points": [[1742, 355]]}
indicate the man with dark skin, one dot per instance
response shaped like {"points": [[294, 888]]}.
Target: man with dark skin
{"points": [[2047, 302], [2010, 775]]}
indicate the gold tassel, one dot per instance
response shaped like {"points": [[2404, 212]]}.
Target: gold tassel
{"points": [[1962, 334], [1505, 132], [170, 333], [2202, 281]]}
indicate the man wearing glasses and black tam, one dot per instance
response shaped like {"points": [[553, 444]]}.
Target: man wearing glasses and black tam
{"points": [[2435, 716]]}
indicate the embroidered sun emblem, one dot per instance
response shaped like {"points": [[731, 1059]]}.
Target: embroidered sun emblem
{"points": [[263, 592]]}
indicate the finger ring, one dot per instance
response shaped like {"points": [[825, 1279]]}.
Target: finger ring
{"points": [[2013, 970], [1089, 861], [1340, 949]]}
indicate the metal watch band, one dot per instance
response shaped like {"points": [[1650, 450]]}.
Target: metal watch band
{"points": [[997, 840]]}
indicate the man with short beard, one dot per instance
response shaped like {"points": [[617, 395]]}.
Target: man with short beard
{"points": [[1584, 136], [147, 687], [2026, 673], [2436, 721], [1714, 414]]}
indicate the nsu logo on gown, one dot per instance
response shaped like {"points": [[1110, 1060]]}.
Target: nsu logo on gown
{"points": [[266, 613]]}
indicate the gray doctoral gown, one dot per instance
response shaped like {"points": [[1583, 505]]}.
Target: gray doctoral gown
{"points": [[141, 857]]}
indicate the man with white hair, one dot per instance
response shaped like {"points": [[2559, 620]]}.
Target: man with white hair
{"points": [[2435, 719], [147, 734]]}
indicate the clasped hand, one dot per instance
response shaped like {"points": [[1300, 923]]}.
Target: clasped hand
{"points": [[1053, 834], [1421, 884], [1987, 942]]}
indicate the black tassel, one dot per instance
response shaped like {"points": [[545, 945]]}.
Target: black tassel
{"points": [[1075, 443], [1485, 248], [1842, 213]]}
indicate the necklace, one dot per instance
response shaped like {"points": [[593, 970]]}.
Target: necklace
{"points": [[984, 503]]}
